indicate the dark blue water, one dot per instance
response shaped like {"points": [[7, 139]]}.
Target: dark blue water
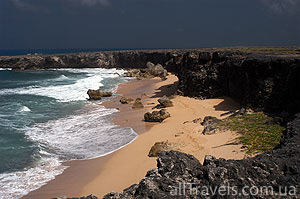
{"points": [[45, 119], [14, 52], [22, 110]]}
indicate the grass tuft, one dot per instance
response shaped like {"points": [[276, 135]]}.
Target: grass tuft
{"points": [[258, 132]]}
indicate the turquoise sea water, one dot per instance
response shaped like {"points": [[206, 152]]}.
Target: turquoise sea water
{"points": [[45, 119]]}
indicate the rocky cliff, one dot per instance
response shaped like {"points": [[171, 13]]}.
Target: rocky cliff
{"points": [[119, 59], [258, 78]]}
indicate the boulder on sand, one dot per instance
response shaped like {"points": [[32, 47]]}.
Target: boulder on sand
{"points": [[138, 103], [165, 102], [156, 116], [209, 123], [125, 100]]}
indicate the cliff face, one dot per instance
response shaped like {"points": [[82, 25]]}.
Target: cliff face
{"points": [[119, 59], [260, 81]]}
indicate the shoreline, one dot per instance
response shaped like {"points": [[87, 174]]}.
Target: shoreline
{"points": [[99, 175], [63, 184]]}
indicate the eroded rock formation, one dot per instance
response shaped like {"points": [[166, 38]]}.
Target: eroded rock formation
{"points": [[98, 94]]}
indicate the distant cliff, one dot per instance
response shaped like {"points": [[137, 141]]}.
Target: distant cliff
{"points": [[118, 59]]}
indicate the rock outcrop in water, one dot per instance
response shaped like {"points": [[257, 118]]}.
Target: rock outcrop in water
{"points": [[98, 94]]}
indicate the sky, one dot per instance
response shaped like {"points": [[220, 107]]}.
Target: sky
{"points": [[52, 24]]}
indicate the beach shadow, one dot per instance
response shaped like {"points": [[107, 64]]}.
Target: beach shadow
{"points": [[167, 90], [228, 104]]}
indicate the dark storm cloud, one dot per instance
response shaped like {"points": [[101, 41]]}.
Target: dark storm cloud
{"points": [[283, 6], [26, 3], [147, 23]]}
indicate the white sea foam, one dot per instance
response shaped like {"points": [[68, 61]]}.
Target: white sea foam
{"points": [[84, 136], [17, 184], [70, 92], [5, 69], [61, 78], [87, 135], [24, 109]]}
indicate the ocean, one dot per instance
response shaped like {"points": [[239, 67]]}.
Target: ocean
{"points": [[46, 119], [15, 52]]}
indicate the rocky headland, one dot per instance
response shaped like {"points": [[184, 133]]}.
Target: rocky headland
{"points": [[261, 79]]}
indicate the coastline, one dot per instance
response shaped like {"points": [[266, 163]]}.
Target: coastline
{"points": [[129, 165], [69, 184]]}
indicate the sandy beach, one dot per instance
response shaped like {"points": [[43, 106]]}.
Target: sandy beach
{"points": [[129, 165]]}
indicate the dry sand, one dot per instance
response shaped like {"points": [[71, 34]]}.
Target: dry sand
{"points": [[129, 165]]}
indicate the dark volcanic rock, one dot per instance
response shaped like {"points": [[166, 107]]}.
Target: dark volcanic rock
{"points": [[209, 120], [210, 129], [209, 124], [278, 170], [255, 80], [156, 116]]}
